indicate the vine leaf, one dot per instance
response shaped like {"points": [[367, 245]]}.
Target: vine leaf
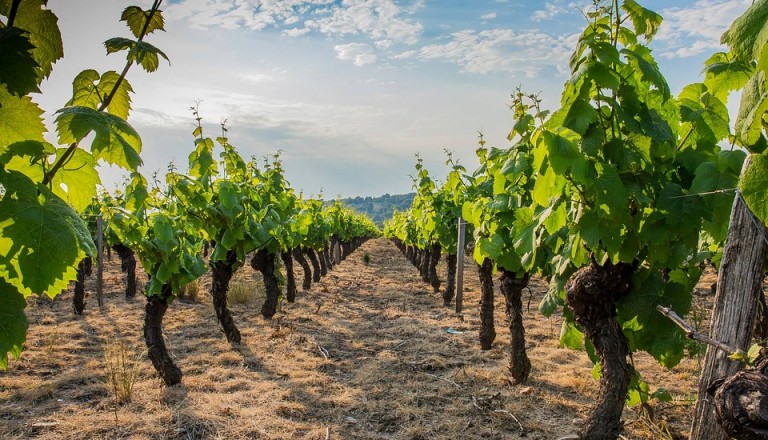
{"points": [[752, 111], [13, 323], [135, 17], [90, 90], [76, 181], [34, 225], [139, 51], [642, 324], [645, 21], [116, 141], [725, 75], [20, 119], [749, 33], [41, 23], [17, 66], [754, 186]]}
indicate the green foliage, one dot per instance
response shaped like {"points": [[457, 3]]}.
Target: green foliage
{"points": [[747, 39], [13, 322], [754, 186], [35, 224], [41, 26], [17, 69], [44, 188]]}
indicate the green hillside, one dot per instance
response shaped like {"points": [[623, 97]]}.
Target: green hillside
{"points": [[380, 208]]}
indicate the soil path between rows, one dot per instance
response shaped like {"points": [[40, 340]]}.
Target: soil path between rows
{"points": [[367, 353]]}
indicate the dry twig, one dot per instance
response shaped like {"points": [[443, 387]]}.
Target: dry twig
{"points": [[691, 333]]}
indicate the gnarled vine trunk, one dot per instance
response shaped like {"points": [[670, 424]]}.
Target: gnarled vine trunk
{"points": [[264, 262], [299, 257], [128, 267], [592, 293], [741, 402], [450, 280], [221, 274], [512, 289], [487, 329], [290, 279], [434, 258], [84, 269], [424, 258], [327, 255], [153, 337], [310, 253], [323, 263]]}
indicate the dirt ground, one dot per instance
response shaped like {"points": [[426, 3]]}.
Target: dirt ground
{"points": [[367, 353]]}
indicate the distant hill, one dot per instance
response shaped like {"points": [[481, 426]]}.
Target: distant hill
{"points": [[380, 208]]}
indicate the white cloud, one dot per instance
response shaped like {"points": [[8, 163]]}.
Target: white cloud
{"points": [[360, 54], [488, 16], [697, 29], [502, 50], [550, 10], [256, 77], [380, 20], [296, 32]]}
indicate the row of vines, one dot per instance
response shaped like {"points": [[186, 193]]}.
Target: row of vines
{"points": [[222, 213], [619, 199]]}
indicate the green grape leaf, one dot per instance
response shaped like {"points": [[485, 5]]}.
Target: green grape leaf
{"points": [[84, 91], [712, 177], [13, 322], [640, 59], [141, 52], [571, 337], [578, 116], [120, 105], [642, 323], [545, 187], [662, 395], [645, 21], [164, 233], [34, 17], [749, 32], [229, 199], [147, 56], [18, 69], [136, 193], [35, 224], [682, 211], [119, 43], [202, 164], [20, 119], [724, 75], [754, 186], [752, 111], [562, 148], [90, 90], [27, 157], [76, 181], [610, 191], [136, 18], [116, 141], [35, 151]]}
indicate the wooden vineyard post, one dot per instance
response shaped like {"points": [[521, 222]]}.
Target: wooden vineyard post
{"points": [[99, 259], [460, 266], [739, 283]]}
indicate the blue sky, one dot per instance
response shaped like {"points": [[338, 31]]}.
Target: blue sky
{"points": [[351, 90]]}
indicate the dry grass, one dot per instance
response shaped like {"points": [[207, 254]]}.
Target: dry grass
{"points": [[365, 355], [122, 366]]}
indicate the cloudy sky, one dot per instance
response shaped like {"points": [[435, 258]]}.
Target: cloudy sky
{"points": [[351, 90]]}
